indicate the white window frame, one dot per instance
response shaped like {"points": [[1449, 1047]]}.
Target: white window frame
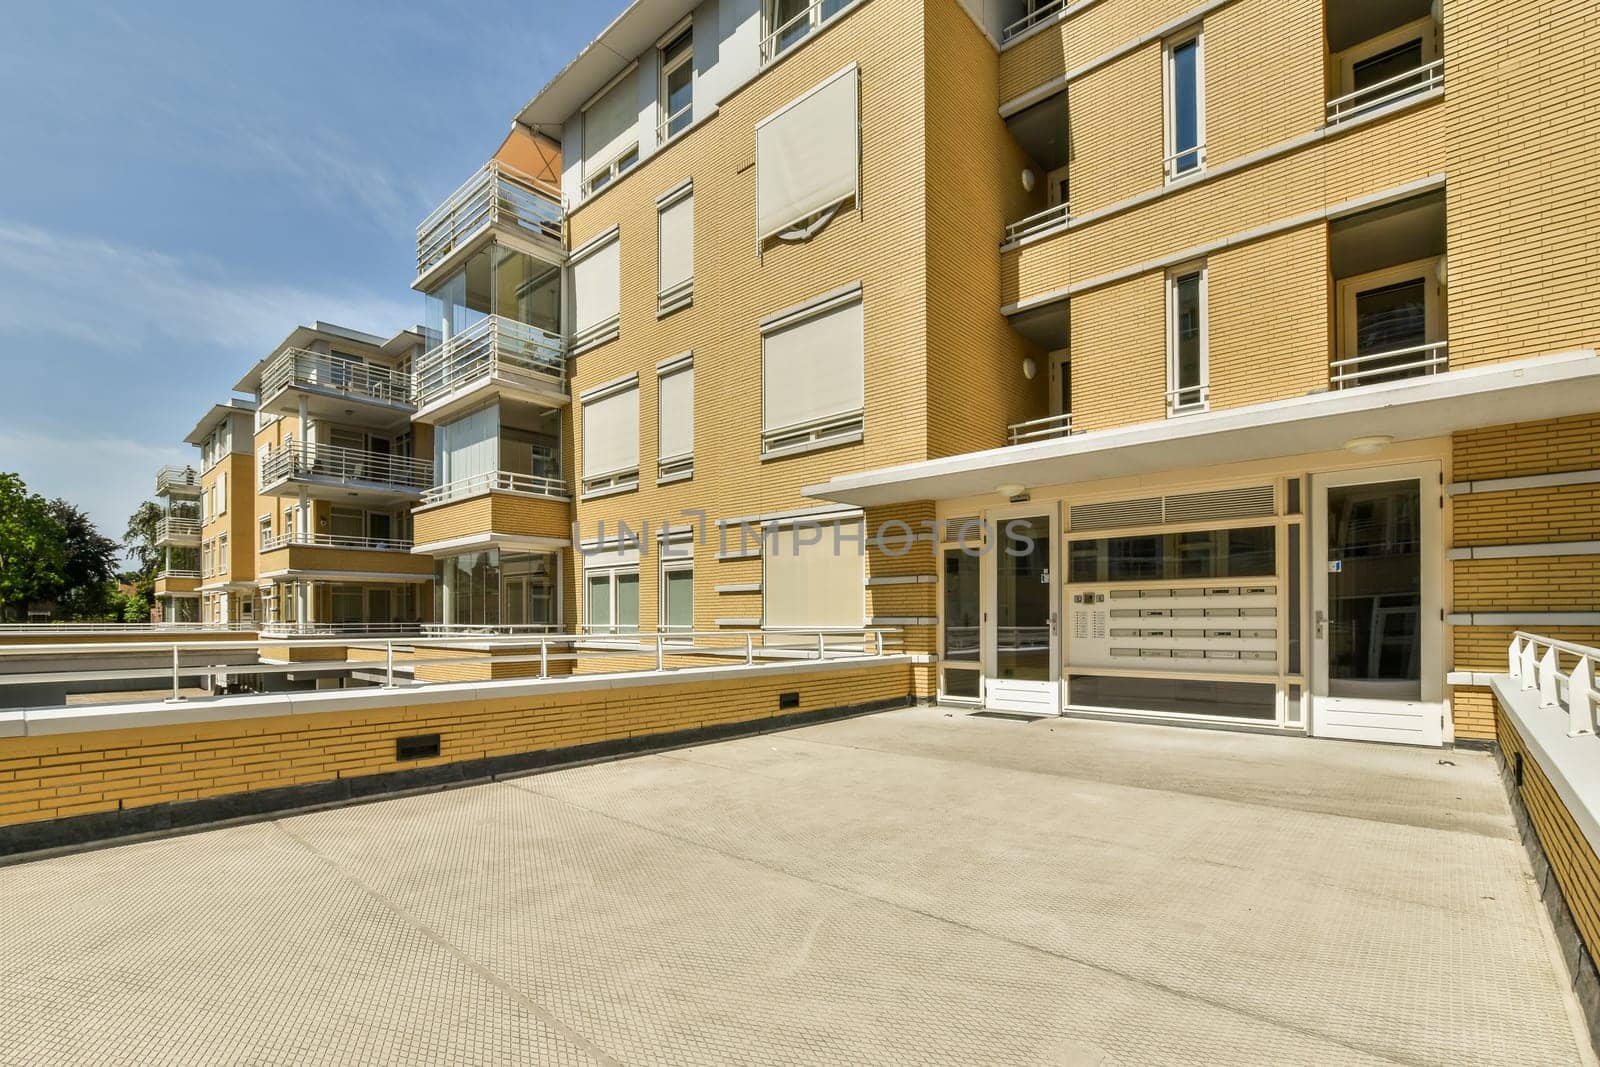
{"points": [[1169, 107], [222, 553], [610, 573], [806, 227], [1426, 270], [264, 525], [814, 21], [625, 158], [622, 479], [1174, 390], [607, 329], [842, 429], [681, 544], [681, 294], [665, 68], [680, 467], [1423, 27]]}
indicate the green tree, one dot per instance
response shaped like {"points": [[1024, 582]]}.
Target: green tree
{"points": [[140, 538], [91, 567], [33, 555]]}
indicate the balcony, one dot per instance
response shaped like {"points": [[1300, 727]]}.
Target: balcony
{"points": [[344, 541], [1413, 361], [335, 387], [1040, 222], [1391, 90], [181, 573], [1046, 429], [496, 198], [176, 530], [332, 472], [491, 357], [497, 482], [177, 481]]}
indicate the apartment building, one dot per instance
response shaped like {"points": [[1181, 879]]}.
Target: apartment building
{"points": [[177, 584], [337, 466], [227, 563]]}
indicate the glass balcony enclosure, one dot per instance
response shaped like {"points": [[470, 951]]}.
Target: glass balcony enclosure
{"points": [[505, 446], [497, 281], [496, 196], [492, 589]]}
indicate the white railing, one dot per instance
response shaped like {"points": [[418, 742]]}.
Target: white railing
{"points": [[497, 482], [354, 378], [491, 347], [664, 130], [505, 645], [321, 540], [1536, 662], [1039, 222], [1423, 78], [44, 629], [177, 529], [495, 194], [177, 479], [346, 466], [1411, 362], [1042, 13], [1047, 428], [1188, 399], [787, 34], [178, 572], [1184, 163]]}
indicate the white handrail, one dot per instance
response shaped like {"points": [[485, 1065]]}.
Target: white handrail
{"points": [[173, 527], [1418, 80], [664, 130], [322, 540], [171, 477], [331, 463], [1031, 19], [496, 192], [489, 347], [1051, 426], [1433, 358], [772, 45], [497, 482], [1038, 222], [1535, 662], [319, 370], [1169, 164]]}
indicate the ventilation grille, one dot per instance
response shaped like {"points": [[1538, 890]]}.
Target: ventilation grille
{"points": [[966, 527], [1246, 503], [1116, 514], [1249, 503]]}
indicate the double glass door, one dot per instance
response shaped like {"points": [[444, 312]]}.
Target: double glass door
{"points": [[1021, 620]]}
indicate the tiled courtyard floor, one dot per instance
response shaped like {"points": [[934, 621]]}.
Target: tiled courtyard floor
{"points": [[919, 886]]}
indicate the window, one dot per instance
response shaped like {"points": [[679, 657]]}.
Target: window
{"points": [[610, 131], [611, 436], [1185, 105], [347, 603], [677, 592], [347, 524], [1385, 68], [222, 554], [808, 160], [529, 595], [597, 291], [676, 89], [265, 525], [675, 419], [811, 375], [464, 448], [1244, 552], [675, 245], [814, 575], [222, 492], [785, 23], [1187, 375], [1391, 325], [612, 600]]}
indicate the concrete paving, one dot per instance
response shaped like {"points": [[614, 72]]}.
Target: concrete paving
{"points": [[920, 886]]}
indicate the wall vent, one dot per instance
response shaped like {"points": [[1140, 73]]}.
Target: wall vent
{"points": [[1248, 503], [1114, 514], [417, 746], [963, 528], [788, 700]]}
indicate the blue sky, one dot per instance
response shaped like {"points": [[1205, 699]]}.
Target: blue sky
{"points": [[185, 182]]}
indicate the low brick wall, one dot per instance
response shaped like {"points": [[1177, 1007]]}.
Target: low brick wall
{"points": [[68, 781]]}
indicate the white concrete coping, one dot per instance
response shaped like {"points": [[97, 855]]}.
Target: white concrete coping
{"points": [[81, 719], [1572, 764]]}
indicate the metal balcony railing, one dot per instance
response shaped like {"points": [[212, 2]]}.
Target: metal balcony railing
{"points": [[178, 572], [1045, 429], [1374, 367], [1423, 78], [345, 466], [496, 194], [1039, 222], [300, 367], [177, 479], [321, 540], [497, 482], [175, 528], [491, 347], [1042, 13], [779, 39]]}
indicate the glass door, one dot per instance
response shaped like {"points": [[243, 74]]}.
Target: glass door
{"points": [[1376, 626], [1021, 615]]}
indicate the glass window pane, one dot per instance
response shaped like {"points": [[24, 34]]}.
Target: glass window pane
{"points": [[1375, 590], [961, 618], [1022, 601], [628, 602], [678, 589], [1245, 552], [1385, 65], [1187, 331], [599, 608], [1186, 105]]}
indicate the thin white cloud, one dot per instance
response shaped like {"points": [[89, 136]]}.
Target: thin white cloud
{"points": [[122, 297], [79, 469]]}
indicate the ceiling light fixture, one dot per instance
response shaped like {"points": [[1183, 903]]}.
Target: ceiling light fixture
{"points": [[1366, 446]]}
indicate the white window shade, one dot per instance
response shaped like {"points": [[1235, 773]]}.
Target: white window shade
{"points": [[467, 447], [676, 418], [812, 377], [597, 298], [818, 585], [676, 243], [610, 124], [807, 156], [611, 439]]}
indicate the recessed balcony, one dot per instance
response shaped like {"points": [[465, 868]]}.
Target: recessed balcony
{"points": [[494, 356], [1046, 429], [335, 387], [177, 481], [330, 472], [177, 530], [320, 540], [497, 199], [1381, 55]]}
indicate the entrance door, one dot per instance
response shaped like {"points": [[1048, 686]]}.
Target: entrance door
{"points": [[1021, 645], [1376, 629]]}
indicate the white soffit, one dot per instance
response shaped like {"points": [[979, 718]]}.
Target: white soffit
{"points": [[1543, 387]]}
